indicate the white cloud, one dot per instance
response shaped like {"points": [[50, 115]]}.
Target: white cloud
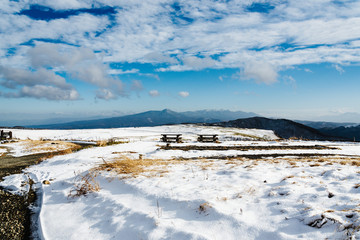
{"points": [[14, 77], [289, 80], [120, 71], [160, 57], [105, 94], [154, 93], [151, 75], [55, 55], [47, 60], [65, 4], [137, 85], [48, 92], [198, 63], [93, 73], [261, 72], [339, 68], [184, 94]]}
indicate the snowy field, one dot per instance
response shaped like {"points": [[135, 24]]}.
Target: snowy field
{"points": [[193, 194]]}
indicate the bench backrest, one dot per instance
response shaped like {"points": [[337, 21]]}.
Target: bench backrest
{"points": [[4, 134], [171, 137]]}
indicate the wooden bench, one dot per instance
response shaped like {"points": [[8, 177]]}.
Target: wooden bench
{"points": [[208, 138], [5, 135], [171, 138]]}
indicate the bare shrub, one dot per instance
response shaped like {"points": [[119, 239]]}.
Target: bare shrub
{"points": [[84, 184], [101, 143]]}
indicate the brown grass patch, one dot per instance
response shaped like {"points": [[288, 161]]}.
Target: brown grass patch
{"points": [[129, 167], [326, 160], [49, 146], [133, 167]]}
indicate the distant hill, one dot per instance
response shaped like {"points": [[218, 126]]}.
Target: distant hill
{"points": [[150, 118], [282, 128], [351, 133], [319, 125], [346, 130]]}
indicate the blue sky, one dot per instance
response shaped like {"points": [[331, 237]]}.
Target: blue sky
{"points": [[82, 58]]}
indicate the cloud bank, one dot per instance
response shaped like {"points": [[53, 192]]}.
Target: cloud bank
{"points": [[82, 38]]}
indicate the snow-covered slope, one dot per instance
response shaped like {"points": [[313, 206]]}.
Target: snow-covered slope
{"points": [[197, 194]]}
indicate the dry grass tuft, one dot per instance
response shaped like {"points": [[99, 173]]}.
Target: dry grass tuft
{"points": [[204, 207], [84, 184], [111, 141], [355, 163], [288, 177]]}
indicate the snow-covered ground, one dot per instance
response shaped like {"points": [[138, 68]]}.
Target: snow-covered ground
{"points": [[2, 151], [206, 196]]}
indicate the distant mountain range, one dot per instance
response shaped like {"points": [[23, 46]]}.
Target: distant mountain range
{"points": [[152, 118], [282, 127]]}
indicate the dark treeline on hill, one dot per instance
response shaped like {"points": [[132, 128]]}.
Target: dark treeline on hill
{"points": [[282, 128], [350, 131]]}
